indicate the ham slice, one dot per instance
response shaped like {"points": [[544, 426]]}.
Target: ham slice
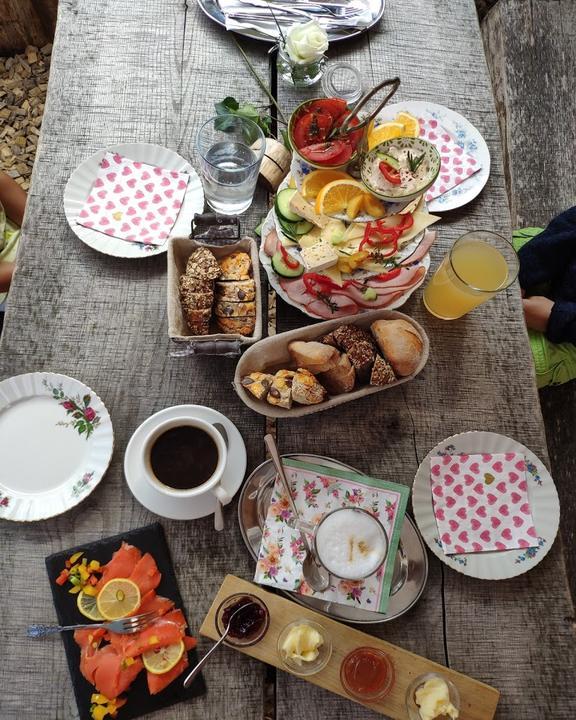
{"points": [[271, 243], [407, 278], [340, 306], [296, 291], [424, 246]]}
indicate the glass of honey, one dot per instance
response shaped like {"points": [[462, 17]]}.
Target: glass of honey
{"points": [[367, 674]]}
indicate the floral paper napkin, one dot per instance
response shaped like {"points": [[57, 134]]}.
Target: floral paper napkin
{"points": [[316, 490], [481, 502], [456, 166], [134, 201]]}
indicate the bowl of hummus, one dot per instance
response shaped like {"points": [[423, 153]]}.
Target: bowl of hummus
{"points": [[400, 168]]}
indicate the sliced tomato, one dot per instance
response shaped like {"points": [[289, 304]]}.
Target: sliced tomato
{"points": [[334, 152], [336, 107], [311, 128]]}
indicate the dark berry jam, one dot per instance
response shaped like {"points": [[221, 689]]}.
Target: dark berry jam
{"points": [[247, 622]]}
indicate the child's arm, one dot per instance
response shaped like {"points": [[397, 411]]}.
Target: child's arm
{"points": [[13, 198], [6, 272], [562, 322]]}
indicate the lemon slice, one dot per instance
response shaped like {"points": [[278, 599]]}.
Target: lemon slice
{"points": [[163, 659], [334, 197], [118, 598], [384, 132], [411, 124], [316, 180], [88, 607]]}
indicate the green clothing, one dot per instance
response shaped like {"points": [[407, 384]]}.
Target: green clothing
{"points": [[9, 236], [555, 363]]}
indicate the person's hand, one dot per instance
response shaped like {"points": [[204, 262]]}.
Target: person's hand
{"points": [[537, 311]]}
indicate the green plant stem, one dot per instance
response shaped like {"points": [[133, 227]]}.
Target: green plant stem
{"points": [[259, 81]]}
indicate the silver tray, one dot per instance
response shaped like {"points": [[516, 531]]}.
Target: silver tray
{"points": [[251, 29], [410, 569]]}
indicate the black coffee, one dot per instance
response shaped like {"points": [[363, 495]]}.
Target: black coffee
{"points": [[184, 457]]}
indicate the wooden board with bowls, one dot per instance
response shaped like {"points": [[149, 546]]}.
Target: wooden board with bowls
{"points": [[478, 700], [272, 354]]}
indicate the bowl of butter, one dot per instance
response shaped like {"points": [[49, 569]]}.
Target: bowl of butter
{"points": [[304, 647], [432, 697]]}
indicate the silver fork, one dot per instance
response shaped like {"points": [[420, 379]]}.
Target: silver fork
{"points": [[335, 10], [124, 626]]}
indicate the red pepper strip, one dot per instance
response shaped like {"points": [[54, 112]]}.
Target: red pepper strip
{"points": [[288, 260], [61, 579], [407, 222], [392, 175], [375, 237], [390, 275], [325, 284]]}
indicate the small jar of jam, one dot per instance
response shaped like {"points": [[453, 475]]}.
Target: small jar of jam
{"points": [[248, 617], [367, 674]]}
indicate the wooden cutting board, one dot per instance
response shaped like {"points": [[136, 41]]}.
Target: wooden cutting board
{"points": [[478, 701]]}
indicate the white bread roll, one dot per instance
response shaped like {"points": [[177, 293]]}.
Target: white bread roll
{"points": [[400, 343], [313, 356]]}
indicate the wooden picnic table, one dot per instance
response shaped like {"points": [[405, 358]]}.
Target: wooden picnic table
{"points": [[150, 72]]}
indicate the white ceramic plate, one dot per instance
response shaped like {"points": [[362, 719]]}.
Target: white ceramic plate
{"points": [[175, 508], [80, 182], [465, 135], [543, 500], [56, 442], [270, 223]]}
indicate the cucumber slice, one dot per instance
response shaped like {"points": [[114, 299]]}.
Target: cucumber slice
{"points": [[389, 160], [282, 269], [303, 227], [283, 204]]}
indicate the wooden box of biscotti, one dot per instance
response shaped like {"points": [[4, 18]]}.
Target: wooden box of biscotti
{"points": [[317, 367], [214, 296]]}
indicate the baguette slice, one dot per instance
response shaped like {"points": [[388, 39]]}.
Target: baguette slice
{"points": [[341, 378], [314, 356]]}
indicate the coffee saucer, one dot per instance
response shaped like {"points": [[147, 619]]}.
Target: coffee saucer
{"points": [[177, 508]]}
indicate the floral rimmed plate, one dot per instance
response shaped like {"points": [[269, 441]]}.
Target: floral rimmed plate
{"points": [[56, 442], [496, 565]]}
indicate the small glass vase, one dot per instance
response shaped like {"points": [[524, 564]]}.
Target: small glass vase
{"points": [[299, 75]]}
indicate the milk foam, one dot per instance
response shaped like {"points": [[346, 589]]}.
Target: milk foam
{"points": [[351, 544]]}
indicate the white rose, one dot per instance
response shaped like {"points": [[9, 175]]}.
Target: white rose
{"points": [[306, 42]]}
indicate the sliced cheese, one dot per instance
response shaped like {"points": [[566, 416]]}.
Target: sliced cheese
{"points": [[422, 220], [301, 207], [334, 274], [319, 257]]}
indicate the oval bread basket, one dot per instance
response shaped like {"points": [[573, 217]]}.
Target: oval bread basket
{"points": [[272, 354]]}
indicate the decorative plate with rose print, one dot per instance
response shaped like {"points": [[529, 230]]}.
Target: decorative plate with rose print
{"points": [[56, 442], [531, 474]]}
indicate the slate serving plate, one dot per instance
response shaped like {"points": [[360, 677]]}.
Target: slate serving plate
{"points": [[147, 539]]}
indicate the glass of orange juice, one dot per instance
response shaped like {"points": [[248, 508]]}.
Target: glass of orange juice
{"points": [[479, 265]]}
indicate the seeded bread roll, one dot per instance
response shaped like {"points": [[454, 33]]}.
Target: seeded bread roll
{"points": [[196, 301], [306, 390], [225, 308], [382, 372], [236, 325], [346, 336], [203, 265], [236, 290], [400, 344], [235, 266], [313, 356], [188, 283], [341, 378]]}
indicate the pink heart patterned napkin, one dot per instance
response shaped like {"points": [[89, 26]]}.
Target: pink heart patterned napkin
{"points": [[481, 502], [456, 166], [134, 201]]}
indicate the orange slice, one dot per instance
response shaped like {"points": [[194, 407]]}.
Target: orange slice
{"points": [[316, 180], [384, 132], [334, 197], [373, 206], [355, 206], [411, 124]]}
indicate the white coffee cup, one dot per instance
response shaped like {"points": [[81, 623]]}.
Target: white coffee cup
{"points": [[212, 484]]}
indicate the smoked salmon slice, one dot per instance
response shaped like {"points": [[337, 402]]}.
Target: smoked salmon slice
{"points": [[157, 683], [145, 574], [123, 563], [159, 633], [108, 672], [154, 603]]}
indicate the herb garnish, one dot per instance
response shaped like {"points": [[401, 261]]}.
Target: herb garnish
{"points": [[414, 162]]}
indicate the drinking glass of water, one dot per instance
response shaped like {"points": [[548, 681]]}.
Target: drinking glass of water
{"points": [[231, 150]]}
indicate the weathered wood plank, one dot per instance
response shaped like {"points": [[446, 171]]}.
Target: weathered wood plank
{"points": [[479, 377], [118, 75], [522, 38], [26, 22]]}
